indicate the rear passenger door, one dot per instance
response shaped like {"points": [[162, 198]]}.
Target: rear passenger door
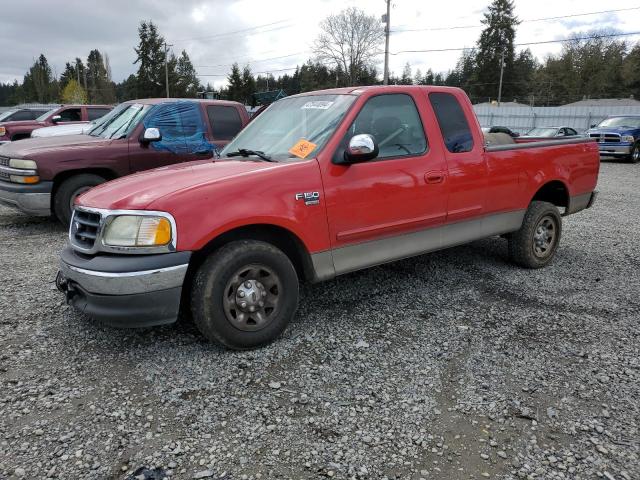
{"points": [[225, 123], [467, 176]]}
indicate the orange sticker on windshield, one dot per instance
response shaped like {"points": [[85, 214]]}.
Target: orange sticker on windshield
{"points": [[302, 148]]}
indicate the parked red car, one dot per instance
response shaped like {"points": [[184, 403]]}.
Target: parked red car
{"points": [[18, 130], [320, 184], [44, 175]]}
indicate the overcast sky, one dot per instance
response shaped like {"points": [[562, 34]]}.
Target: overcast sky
{"points": [[273, 35]]}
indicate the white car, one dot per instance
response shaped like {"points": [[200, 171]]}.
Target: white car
{"points": [[58, 130]]}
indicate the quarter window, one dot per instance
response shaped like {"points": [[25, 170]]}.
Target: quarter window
{"points": [[225, 121], [394, 122], [452, 121]]}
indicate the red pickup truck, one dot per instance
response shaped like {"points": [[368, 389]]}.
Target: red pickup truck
{"points": [[11, 131], [44, 175], [320, 184]]}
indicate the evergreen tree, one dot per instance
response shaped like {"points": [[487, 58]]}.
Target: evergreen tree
{"points": [[150, 57], [38, 84], [234, 90], [496, 43], [99, 87], [187, 83]]}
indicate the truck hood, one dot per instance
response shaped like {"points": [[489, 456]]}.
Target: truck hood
{"points": [[32, 148], [618, 130], [57, 130], [137, 192]]}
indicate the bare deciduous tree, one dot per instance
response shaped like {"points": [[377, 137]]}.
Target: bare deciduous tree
{"points": [[349, 41]]}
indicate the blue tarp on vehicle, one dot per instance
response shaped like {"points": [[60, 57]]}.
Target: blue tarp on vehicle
{"points": [[181, 126]]}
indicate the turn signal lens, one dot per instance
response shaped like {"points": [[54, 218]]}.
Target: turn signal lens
{"points": [[3, 131], [21, 179], [154, 231]]}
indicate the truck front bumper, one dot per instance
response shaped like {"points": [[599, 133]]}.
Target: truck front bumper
{"points": [[32, 199], [615, 149], [124, 290]]}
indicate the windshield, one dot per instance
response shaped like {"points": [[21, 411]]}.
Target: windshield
{"points": [[295, 127], [542, 132], [120, 121], [621, 122], [44, 116], [7, 114]]}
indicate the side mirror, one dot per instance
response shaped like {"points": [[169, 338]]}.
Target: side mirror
{"points": [[151, 134], [56, 118], [361, 148], [593, 126]]}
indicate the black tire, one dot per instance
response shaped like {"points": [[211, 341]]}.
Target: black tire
{"points": [[531, 246], [67, 192], [216, 290], [634, 157]]}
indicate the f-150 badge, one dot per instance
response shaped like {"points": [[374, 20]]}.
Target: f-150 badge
{"points": [[310, 198]]}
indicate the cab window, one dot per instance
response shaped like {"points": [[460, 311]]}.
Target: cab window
{"points": [[70, 115], [453, 123], [224, 120], [395, 124]]}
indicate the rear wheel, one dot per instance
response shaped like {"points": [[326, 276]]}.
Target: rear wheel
{"points": [[244, 294], [535, 244], [67, 192], [634, 157]]}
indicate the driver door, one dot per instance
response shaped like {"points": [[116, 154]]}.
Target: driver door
{"points": [[378, 210]]}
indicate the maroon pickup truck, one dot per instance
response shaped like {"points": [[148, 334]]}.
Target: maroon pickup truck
{"points": [[44, 175], [20, 129]]}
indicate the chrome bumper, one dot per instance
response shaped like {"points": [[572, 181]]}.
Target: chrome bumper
{"points": [[31, 199], [615, 149], [125, 283], [124, 290]]}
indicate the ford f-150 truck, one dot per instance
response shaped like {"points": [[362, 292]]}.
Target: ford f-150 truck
{"points": [[618, 136], [44, 175], [319, 185], [11, 131]]}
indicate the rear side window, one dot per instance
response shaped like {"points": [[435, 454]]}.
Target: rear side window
{"points": [[453, 124], [95, 113], [22, 115], [224, 120]]}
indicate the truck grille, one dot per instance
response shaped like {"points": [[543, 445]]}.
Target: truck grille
{"points": [[4, 162], [606, 137], [84, 230]]}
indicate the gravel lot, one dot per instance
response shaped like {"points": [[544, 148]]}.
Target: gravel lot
{"points": [[455, 365]]}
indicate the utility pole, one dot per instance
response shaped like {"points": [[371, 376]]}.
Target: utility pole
{"points": [[501, 73], [166, 66], [387, 19]]}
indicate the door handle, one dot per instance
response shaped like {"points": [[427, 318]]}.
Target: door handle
{"points": [[434, 177]]}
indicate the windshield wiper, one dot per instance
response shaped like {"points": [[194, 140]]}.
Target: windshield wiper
{"points": [[243, 152]]}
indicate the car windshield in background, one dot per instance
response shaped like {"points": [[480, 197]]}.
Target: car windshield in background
{"points": [[7, 114], [633, 122], [121, 121], [542, 132], [44, 116], [295, 127]]}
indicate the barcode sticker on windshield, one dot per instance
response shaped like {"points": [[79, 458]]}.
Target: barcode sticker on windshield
{"points": [[317, 105], [302, 148]]}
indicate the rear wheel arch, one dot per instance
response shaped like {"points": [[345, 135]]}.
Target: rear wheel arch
{"points": [[555, 192]]}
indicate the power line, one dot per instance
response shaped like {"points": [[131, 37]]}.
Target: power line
{"points": [[244, 30], [591, 37], [255, 73], [254, 61], [458, 27]]}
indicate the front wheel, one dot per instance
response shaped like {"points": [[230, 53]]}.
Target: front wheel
{"points": [[244, 294], [535, 244], [67, 192]]}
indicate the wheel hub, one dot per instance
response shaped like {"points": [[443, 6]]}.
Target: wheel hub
{"points": [[250, 296], [544, 237]]}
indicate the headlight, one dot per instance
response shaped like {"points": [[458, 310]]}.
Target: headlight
{"points": [[628, 138], [26, 164], [138, 231]]}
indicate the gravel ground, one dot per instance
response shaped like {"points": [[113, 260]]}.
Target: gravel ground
{"points": [[454, 365]]}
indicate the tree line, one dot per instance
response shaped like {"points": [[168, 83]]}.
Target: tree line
{"points": [[599, 65]]}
